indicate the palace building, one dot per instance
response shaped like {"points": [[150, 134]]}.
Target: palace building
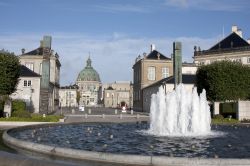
{"points": [[233, 47], [43, 85], [89, 84], [149, 69]]}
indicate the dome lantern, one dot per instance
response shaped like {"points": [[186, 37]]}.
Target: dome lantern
{"points": [[89, 63]]}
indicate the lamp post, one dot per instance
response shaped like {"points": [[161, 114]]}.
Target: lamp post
{"points": [[117, 99], [112, 99], [61, 107]]}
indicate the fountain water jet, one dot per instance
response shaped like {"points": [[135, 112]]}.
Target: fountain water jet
{"points": [[179, 113]]}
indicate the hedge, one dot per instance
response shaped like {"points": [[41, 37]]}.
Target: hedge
{"points": [[224, 81]]}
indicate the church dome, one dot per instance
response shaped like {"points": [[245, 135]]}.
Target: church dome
{"points": [[88, 73]]}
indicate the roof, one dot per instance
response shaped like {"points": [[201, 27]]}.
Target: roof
{"points": [[88, 73], [37, 51], [186, 79], [154, 55], [231, 41], [69, 87], [110, 88], [26, 72], [186, 64]]}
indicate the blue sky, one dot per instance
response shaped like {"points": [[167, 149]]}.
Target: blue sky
{"points": [[115, 32]]}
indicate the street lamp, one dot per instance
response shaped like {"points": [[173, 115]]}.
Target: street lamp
{"points": [[112, 95], [117, 99]]}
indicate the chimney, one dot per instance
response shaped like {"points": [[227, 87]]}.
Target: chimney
{"points": [[234, 28], [237, 31], [152, 47]]}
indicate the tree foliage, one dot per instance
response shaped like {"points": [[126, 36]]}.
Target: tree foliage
{"points": [[9, 72], [224, 80]]}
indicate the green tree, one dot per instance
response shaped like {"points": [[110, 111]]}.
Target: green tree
{"points": [[9, 73], [224, 80]]}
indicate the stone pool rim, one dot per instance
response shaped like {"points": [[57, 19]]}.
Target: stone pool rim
{"points": [[75, 154]]}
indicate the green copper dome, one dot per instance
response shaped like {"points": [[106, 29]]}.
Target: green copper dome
{"points": [[88, 73]]}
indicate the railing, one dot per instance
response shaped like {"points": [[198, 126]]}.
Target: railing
{"points": [[221, 51]]}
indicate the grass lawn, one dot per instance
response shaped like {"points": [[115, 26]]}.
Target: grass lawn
{"points": [[225, 121], [34, 118]]}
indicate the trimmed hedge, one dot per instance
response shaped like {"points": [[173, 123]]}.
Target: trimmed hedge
{"points": [[224, 80]]}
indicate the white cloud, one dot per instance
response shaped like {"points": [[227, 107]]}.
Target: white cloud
{"points": [[177, 3], [112, 56], [121, 8], [211, 5]]}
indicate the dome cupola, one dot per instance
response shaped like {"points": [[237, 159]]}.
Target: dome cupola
{"points": [[88, 73]]}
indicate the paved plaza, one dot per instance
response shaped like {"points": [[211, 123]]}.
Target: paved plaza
{"points": [[100, 114]]}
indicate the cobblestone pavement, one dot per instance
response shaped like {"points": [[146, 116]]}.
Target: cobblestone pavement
{"points": [[100, 114]]}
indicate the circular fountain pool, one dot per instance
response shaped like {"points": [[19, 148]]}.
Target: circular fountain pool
{"points": [[131, 138]]}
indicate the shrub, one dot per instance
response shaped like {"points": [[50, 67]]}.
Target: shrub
{"points": [[18, 105], [218, 116], [21, 114], [19, 109]]}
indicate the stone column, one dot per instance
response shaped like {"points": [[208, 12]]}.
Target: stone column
{"points": [[7, 108], [177, 63], [216, 108]]}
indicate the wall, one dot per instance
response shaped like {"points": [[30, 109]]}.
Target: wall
{"points": [[141, 77], [36, 60], [189, 69], [243, 110], [158, 64], [27, 93], [207, 59], [90, 89], [122, 92], [68, 97]]}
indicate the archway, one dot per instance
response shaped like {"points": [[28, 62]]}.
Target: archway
{"points": [[123, 103]]}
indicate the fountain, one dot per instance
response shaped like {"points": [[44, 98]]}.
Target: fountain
{"points": [[179, 127], [179, 113]]}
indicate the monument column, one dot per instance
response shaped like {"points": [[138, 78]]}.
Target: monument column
{"points": [[177, 63]]}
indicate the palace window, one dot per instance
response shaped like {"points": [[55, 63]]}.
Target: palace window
{"points": [[165, 72], [202, 63], [151, 73], [27, 83], [248, 60], [237, 60]]}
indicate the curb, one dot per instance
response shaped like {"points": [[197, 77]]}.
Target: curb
{"points": [[117, 158]]}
